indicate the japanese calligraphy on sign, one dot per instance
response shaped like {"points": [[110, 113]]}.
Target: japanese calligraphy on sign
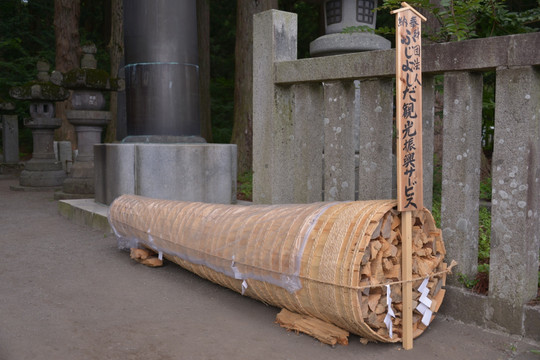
{"points": [[409, 108]]}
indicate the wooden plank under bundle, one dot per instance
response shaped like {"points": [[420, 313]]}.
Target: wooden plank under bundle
{"points": [[330, 261]]}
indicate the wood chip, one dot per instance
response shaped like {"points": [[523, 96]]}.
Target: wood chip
{"points": [[145, 257], [321, 330]]}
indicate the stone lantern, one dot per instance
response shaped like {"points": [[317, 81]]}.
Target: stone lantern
{"points": [[89, 116], [340, 14], [43, 171]]}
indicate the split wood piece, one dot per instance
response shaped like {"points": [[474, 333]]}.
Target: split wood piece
{"points": [[320, 330], [382, 263], [145, 257]]}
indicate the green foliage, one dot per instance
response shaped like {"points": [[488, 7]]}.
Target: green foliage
{"points": [[222, 45], [357, 29], [308, 22], [484, 234], [485, 189], [488, 112], [222, 104], [245, 186], [466, 281], [26, 34], [467, 19], [436, 211]]}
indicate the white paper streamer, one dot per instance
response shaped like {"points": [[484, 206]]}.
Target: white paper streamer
{"points": [[244, 286], [390, 314], [424, 304]]}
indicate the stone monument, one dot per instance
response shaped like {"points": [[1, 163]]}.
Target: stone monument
{"points": [[163, 155], [341, 14], [89, 116], [43, 171], [10, 133]]}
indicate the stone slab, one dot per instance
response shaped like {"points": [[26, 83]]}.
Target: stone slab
{"points": [[86, 212]]}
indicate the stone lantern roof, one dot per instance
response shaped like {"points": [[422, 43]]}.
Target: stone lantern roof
{"points": [[41, 89], [6, 105], [88, 76]]}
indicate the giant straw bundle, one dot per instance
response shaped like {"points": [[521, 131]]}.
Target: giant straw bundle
{"points": [[327, 260]]}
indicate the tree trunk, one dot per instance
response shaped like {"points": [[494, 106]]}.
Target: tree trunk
{"points": [[203, 33], [242, 134], [116, 52], [66, 30]]}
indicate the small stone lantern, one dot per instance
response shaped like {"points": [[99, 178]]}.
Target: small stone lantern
{"points": [[89, 117], [340, 14], [43, 171]]}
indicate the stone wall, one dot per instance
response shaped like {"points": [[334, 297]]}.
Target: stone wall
{"points": [[323, 131]]}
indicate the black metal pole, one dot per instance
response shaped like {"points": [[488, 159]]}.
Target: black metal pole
{"points": [[162, 69]]}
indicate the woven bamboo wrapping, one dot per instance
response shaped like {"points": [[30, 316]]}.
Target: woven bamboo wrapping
{"points": [[305, 258]]}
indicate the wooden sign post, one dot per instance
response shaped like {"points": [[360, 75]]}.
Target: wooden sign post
{"points": [[409, 144]]}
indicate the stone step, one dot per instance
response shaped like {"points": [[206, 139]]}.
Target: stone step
{"points": [[85, 212]]}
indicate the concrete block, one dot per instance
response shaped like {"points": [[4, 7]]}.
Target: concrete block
{"points": [[464, 305], [114, 171], [515, 225], [504, 315], [531, 322], [461, 168], [186, 172], [10, 138]]}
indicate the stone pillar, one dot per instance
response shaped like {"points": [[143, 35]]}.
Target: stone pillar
{"points": [[428, 127], [307, 113], [462, 136], [43, 171], [64, 154], [10, 133], [515, 226], [374, 139], [162, 71], [338, 122], [274, 39]]}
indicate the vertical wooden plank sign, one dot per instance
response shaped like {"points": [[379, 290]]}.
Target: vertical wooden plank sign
{"points": [[409, 143]]}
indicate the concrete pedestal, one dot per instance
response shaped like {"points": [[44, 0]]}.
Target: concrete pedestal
{"points": [[343, 43], [186, 172]]}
